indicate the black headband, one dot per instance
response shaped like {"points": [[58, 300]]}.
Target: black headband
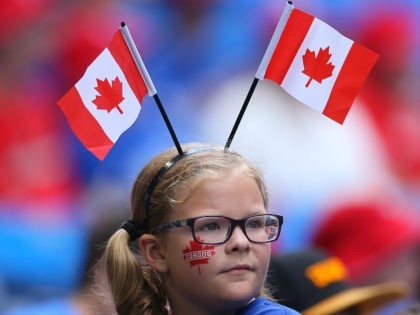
{"points": [[158, 176]]}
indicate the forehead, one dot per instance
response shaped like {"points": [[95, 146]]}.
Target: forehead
{"points": [[236, 195], [190, 173]]}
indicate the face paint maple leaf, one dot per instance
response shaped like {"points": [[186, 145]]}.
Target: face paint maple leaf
{"points": [[317, 67], [198, 254], [109, 96]]}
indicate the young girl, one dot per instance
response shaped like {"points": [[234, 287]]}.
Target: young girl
{"points": [[200, 222]]}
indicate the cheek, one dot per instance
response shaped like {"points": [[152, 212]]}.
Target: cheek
{"points": [[263, 254], [197, 254]]}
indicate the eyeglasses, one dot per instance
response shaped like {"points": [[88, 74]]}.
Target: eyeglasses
{"points": [[211, 229]]}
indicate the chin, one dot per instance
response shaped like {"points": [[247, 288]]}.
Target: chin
{"points": [[240, 294]]}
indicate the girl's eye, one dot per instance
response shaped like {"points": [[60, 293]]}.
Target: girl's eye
{"points": [[254, 224], [210, 226]]}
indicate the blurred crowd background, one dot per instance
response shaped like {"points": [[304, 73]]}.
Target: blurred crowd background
{"points": [[202, 57]]}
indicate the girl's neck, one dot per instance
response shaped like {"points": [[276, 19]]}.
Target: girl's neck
{"points": [[201, 309]]}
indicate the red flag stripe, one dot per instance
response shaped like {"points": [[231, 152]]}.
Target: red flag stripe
{"points": [[84, 125], [121, 53], [351, 77], [291, 39]]}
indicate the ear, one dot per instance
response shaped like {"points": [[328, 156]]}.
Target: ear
{"points": [[153, 254]]}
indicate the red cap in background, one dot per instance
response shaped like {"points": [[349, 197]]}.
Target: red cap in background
{"points": [[367, 235]]}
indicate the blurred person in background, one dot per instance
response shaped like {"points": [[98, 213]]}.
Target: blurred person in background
{"points": [[391, 95], [41, 252], [103, 216], [377, 240], [315, 283]]}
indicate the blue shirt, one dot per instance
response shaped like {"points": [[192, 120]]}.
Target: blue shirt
{"points": [[262, 306]]}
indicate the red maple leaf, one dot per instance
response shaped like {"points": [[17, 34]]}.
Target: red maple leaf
{"points": [[109, 96], [198, 254], [317, 67]]}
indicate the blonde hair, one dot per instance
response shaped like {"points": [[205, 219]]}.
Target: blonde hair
{"points": [[136, 288]]}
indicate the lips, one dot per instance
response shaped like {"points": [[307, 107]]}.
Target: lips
{"points": [[238, 269]]}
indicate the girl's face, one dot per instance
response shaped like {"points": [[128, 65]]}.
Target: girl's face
{"points": [[215, 277]]}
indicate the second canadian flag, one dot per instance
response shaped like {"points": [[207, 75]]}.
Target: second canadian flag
{"points": [[316, 64]]}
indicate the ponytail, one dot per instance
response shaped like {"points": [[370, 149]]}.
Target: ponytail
{"points": [[135, 289]]}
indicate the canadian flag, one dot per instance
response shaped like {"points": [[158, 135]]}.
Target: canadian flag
{"points": [[316, 64], [106, 101]]}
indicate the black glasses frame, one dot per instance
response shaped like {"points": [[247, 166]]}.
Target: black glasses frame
{"points": [[233, 223]]}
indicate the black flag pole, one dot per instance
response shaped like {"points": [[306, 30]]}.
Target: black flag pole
{"points": [[149, 84], [168, 124], [241, 113]]}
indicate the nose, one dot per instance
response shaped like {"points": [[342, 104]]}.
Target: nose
{"points": [[238, 241]]}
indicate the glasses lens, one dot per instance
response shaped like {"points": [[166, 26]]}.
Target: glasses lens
{"points": [[262, 228], [211, 230]]}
